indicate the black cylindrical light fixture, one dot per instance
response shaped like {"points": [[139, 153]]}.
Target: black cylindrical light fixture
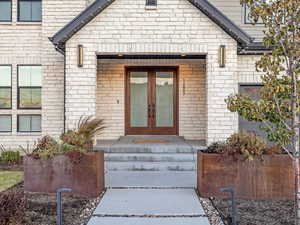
{"points": [[80, 56], [222, 56]]}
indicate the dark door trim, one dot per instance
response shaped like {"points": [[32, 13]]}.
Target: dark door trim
{"points": [[151, 129]]}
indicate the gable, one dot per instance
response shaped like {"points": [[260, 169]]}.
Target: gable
{"points": [[63, 35]]}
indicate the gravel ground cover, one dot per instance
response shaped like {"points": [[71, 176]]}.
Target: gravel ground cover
{"points": [[259, 212], [41, 208]]}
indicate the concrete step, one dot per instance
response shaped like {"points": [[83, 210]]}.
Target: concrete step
{"points": [[150, 166], [131, 149], [150, 157]]}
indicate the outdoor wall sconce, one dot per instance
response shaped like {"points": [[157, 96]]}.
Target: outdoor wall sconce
{"points": [[80, 56], [222, 56]]}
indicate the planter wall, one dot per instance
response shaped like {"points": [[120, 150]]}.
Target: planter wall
{"points": [[84, 178], [271, 178]]}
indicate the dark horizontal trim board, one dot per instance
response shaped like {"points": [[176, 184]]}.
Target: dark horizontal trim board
{"points": [[151, 57]]}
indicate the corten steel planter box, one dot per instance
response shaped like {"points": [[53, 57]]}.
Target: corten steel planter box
{"points": [[261, 179], [84, 178]]}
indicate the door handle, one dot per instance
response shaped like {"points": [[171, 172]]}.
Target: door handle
{"points": [[153, 111], [149, 111]]}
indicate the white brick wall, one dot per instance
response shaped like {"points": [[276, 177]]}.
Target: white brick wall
{"points": [[28, 43], [124, 27], [175, 27], [247, 70]]}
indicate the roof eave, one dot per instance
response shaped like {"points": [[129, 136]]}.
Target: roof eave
{"points": [[65, 33], [255, 48]]}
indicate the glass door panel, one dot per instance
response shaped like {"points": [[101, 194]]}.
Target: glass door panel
{"points": [[164, 88], [138, 99]]}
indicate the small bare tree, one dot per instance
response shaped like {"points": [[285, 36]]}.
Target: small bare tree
{"points": [[279, 107]]}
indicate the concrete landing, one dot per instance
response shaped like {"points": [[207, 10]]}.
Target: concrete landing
{"points": [[174, 144], [149, 207]]}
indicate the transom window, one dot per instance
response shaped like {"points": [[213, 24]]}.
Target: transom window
{"points": [[5, 87], [29, 123], [30, 10], [29, 87], [5, 123], [5, 10]]}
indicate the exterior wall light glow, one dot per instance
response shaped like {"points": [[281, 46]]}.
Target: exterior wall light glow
{"points": [[80, 56], [222, 56]]}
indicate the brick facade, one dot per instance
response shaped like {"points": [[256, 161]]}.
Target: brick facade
{"points": [[175, 27]]}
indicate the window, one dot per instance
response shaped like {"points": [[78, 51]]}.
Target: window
{"points": [[247, 18], [29, 123], [151, 2], [5, 10], [251, 91], [5, 87], [5, 123], [29, 87], [30, 10]]}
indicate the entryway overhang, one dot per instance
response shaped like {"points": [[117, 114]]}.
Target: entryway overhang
{"points": [[150, 56]]}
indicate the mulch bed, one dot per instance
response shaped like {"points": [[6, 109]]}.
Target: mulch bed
{"points": [[41, 208], [259, 212]]}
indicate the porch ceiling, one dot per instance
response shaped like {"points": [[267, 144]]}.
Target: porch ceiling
{"points": [[148, 56]]}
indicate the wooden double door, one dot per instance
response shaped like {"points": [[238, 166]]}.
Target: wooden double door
{"points": [[151, 101]]}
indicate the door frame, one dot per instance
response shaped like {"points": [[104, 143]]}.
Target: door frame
{"points": [[151, 95]]}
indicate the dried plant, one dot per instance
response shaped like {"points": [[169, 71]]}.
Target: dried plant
{"points": [[87, 128], [245, 144], [12, 208]]}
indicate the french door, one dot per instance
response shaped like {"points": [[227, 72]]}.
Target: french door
{"points": [[151, 101]]}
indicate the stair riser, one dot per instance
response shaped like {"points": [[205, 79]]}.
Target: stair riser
{"points": [[115, 166], [149, 158], [149, 150]]}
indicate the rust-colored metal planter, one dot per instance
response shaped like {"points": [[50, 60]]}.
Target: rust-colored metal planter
{"points": [[261, 179], [84, 178]]}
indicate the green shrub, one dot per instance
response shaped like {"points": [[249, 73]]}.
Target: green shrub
{"points": [[48, 147], [9, 156]]}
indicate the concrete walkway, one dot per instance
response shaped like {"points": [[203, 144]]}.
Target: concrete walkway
{"points": [[150, 183], [138, 206]]}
